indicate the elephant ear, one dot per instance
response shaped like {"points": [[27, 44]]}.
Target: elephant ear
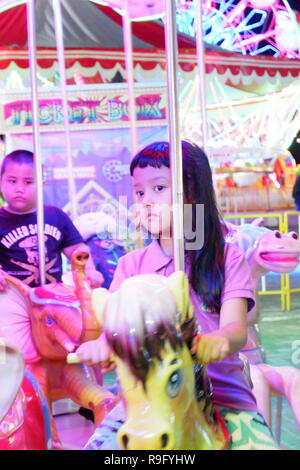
{"points": [[11, 375], [19, 287], [178, 284], [99, 299]]}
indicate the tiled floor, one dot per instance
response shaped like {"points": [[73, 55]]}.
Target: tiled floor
{"points": [[278, 331], [74, 430]]}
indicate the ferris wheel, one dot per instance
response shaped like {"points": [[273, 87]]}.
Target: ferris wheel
{"points": [[247, 26]]}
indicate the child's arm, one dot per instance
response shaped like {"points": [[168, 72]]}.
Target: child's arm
{"points": [[229, 338], [95, 277], [97, 351], [93, 353]]}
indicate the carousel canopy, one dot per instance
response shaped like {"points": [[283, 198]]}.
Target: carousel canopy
{"points": [[93, 40], [86, 24]]}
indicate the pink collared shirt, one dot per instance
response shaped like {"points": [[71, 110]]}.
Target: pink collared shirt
{"points": [[231, 388]]}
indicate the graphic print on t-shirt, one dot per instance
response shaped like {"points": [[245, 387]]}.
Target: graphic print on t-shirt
{"points": [[24, 240], [16, 228], [30, 245]]}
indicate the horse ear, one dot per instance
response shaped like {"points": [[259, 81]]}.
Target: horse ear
{"points": [[258, 222], [99, 299], [179, 286]]}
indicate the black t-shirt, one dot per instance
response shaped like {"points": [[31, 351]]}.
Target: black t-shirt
{"points": [[19, 243]]}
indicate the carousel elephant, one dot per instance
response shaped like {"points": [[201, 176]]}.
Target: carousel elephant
{"points": [[61, 319], [267, 250], [24, 411]]}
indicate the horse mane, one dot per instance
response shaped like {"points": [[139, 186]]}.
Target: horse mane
{"points": [[141, 316]]}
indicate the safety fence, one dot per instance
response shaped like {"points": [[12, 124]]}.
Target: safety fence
{"points": [[285, 222]]}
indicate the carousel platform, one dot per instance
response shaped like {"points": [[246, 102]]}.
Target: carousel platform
{"points": [[278, 332]]}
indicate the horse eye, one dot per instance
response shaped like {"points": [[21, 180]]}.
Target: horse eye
{"points": [[174, 383]]}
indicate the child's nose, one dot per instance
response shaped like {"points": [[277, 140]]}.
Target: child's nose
{"points": [[20, 188], [147, 200]]}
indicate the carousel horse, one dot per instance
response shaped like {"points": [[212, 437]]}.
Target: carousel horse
{"points": [[24, 411], [267, 250], [61, 319], [167, 396]]}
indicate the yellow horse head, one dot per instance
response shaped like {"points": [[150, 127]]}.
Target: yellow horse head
{"points": [[149, 325]]}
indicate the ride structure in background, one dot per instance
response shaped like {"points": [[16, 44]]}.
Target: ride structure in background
{"points": [[252, 27]]}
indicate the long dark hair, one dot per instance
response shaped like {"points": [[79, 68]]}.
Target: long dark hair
{"points": [[206, 264]]}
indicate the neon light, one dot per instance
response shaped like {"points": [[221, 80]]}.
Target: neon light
{"points": [[245, 26]]}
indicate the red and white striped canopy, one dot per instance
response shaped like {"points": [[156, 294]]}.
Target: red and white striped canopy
{"points": [[93, 40]]}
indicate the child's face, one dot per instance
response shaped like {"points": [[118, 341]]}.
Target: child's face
{"points": [[153, 190], [18, 187]]}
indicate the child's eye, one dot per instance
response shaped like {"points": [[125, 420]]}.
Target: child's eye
{"points": [[159, 188], [139, 193]]}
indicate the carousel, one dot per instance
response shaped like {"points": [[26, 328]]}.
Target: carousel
{"points": [[149, 387]]}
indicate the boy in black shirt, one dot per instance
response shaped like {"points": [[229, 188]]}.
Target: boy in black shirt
{"points": [[19, 247]]}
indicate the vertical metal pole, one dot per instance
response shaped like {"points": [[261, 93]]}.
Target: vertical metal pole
{"points": [[62, 71], [30, 10], [127, 36], [201, 74], [174, 134]]}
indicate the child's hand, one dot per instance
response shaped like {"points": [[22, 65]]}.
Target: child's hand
{"points": [[95, 278], [3, 281], [94, 352], [210, 348]]}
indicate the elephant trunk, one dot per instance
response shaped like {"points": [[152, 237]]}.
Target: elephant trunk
{"points": [[68, 322], [90, 327]]}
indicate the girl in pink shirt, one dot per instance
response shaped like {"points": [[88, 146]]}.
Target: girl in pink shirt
{"points": [[220, 283]]}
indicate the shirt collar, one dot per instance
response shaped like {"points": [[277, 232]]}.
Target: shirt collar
{"points": [[155, 258]]}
